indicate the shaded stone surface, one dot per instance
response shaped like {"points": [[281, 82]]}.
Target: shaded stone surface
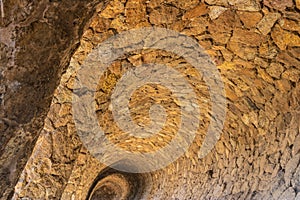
{"points": [[257, 156]]}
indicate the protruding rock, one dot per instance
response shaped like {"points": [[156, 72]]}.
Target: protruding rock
{"points": [[290, 25], [250, 19], [284, 38], [246, 5], [275, 70], [265, 25], [247, 37], [278, 4], [216, 11], [217, 2], [199, 10]]}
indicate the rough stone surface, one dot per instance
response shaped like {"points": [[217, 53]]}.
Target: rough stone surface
{"points": [[250, 19], [257, 54], [265, 25], [30, 71], [278, 4]]}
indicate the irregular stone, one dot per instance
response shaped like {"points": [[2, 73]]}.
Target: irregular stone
{"points": [[216, 11], [227, 55], [221, 38], [185, 5], [284, 38], [164, 15], [292, 74], [288, 60], [250, 19], [296, 146], [242, 50], [261, 62], [217, 2], [265, 25], [268, 51], [199, 10], [278, 4], [246, 5], [275, 70], [246, 37], [100, 25], [283, 85], [196, 27], [226, 22], [291, 15], [114, 8], [264, 75], [298, 6], [290, 25]]}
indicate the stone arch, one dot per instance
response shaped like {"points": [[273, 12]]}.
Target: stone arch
{"points": [[257, 156]]}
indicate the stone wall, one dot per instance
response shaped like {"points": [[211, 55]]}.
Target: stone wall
{"points": [[256, 47]]}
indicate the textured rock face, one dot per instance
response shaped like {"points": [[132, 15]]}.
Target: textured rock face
{"points": [[256, 47], [37, 39]]}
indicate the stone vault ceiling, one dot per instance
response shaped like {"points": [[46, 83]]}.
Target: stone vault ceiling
{"points": [[255, 46]]}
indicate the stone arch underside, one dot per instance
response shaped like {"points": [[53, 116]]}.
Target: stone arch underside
{"points": [[255, 46]]}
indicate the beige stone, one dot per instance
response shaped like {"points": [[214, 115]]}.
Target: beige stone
{"points": [[290, 25], [275, 70], [216, 11], [265, 25]]}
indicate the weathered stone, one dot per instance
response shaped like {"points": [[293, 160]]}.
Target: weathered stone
{"points": [[221, 38], [288, 194], [226, 22], [135, 12], [217, 2], [258, 141], [298, 6], [186, 5], [242, 50], [261, 62], [250, 19], [199, 10], [275, 70], [284, 38], [292, 74], [216, 11], [249, 38], [196, 27], [290, 25], [245, 5], [265, 25], [288, 60], [114, 8], [164, 15], [278, 4], [268, 51]]}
